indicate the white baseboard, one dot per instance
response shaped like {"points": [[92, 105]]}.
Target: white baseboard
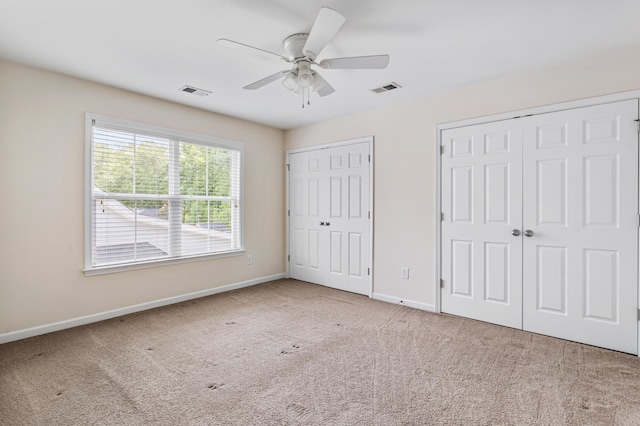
{"points": [[404, 302], [74, 322]]}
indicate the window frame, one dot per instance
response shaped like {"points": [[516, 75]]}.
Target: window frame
{"points": [[163, 132]]}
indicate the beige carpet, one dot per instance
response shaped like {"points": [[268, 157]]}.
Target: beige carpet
{"points": [[289, 353]]}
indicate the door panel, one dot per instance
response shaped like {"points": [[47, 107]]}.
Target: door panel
{"points": [[314, 249], [462, 268], [329, 222], [314, 197], [600, 190], [551, 279], [551, 192], [601, 285], [355, 255], [496, 192], [481, 202], [496, 270], [355, 197], [462, 194], [336, 197], [580, 265], [336, 252]]}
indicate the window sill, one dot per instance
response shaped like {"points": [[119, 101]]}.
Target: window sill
{"points": [[112, 269]]}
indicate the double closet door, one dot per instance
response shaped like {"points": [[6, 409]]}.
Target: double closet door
{"points": [[329, 217], [540, 224]]}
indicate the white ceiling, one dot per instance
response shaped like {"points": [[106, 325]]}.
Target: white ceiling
{"points": [[155, 47]]}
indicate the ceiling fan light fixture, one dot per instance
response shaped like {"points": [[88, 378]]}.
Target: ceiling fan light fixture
{"points": [[305, 78], [290, 82]]}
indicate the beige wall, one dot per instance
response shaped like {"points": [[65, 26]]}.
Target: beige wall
{"points": [[404, 154], [42, 195]]}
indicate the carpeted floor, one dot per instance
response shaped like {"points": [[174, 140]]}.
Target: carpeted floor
{"points": [[289, 353]]}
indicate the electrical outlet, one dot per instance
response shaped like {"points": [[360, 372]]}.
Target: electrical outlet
{"points": [[250, 259], [404, 273]]}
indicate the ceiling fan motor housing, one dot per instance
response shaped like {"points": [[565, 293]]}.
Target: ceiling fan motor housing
{"points": [[293, 45]]}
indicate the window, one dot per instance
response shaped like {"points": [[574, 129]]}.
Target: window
{"points": [[156, 194]]}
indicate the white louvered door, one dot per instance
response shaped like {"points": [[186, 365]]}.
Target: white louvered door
{"points": [[329, 228], [573, 199]]}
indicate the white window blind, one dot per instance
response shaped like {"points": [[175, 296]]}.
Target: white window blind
{"points": [[159, 194]]}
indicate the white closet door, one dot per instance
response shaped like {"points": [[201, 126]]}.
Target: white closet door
{"points": [[482, 206], [329, 231], [307, 187], [581, 203]]}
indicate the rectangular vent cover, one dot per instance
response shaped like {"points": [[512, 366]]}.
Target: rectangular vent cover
{"points": [[195, 91], [386, 88]]}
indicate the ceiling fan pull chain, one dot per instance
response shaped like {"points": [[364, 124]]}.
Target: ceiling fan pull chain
{"points": [[305, 90]]}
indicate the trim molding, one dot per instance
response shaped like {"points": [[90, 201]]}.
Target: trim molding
{"points": [[404, 302], [561, 106], [437, 222], [88, 319]]}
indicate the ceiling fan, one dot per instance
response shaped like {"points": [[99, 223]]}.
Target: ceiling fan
{"points": [[303, 49]]}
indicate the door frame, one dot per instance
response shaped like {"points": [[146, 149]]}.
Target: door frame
{"points": [[598, 100], [364, 139]]}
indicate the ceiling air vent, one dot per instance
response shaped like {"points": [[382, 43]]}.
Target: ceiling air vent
{"points": [[386, 88], [195, 91]]}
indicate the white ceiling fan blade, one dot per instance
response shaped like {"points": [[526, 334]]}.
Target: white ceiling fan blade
{"points": [[326, 25], [356, 62], [326, 90], [258, 84], [245, 47], [324, 87]]}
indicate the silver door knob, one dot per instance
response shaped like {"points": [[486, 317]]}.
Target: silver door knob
{"points": [[515, 232], [528, 233]]}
